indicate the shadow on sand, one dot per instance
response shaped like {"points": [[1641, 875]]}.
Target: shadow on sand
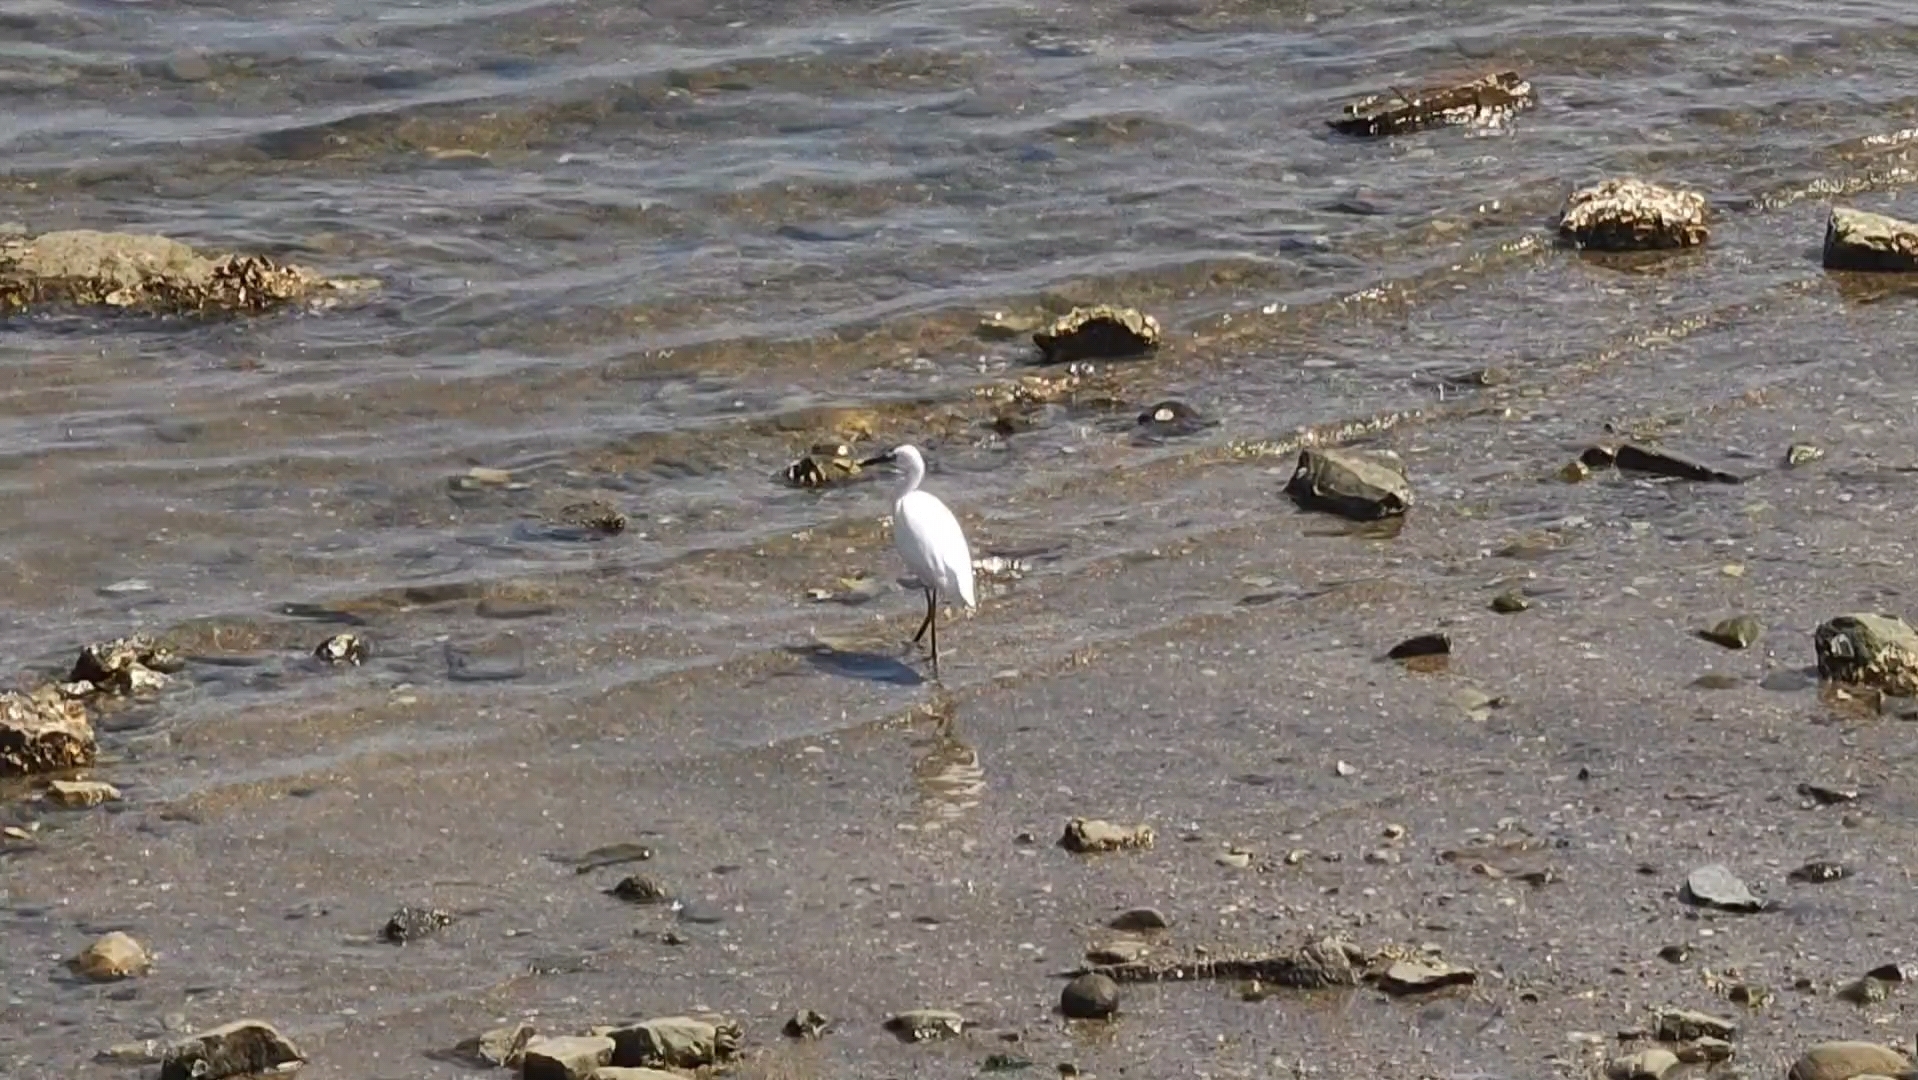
{"points": [[858, 664]]}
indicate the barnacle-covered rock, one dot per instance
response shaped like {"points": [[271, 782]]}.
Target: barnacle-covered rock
{"points": [[43, 731], [1858, 240], [1488, 100], [1099, 332], [826, 463], [89, 268], [1632, 215]]}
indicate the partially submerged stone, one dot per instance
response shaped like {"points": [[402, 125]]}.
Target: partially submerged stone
{"points": [[1632, 215], [1172, 419], [826, 463], [807, 1024], [409, 923], [240, 1048], [114, 956], [1846, 1060], [1364, 485], [1737, 632], [1487, 100], [1103, 331], [88, 268], [639, 889], [572, 1057], [679, 1042], [1095, 835], [922, 1025], [43, 731], [1860, 240], [1423, 976], [126, 665], [1091, 996], [341, 649], [81, 794], [593, 516], [1683, 1025], [1658, 461], [500, 1047], [1870, 650], [1798, 454]]}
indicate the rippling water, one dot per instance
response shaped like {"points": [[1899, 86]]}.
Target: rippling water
{"points": [[649, 252]]}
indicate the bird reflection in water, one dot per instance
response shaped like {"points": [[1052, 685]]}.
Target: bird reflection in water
{"points": [[947, 773]]}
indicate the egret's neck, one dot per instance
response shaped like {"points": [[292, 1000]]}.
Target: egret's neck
{"points": [[913, 472]]}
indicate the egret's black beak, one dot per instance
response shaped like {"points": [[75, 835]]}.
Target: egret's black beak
{"points": [[882, 459]]}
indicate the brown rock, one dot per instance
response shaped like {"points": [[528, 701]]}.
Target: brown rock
{"points": [[1650, 1064], [1871, 650], [500, 1047], [1632, 215], [1418, 977], [236, 1049], [1084, 835], [565, 1058], [115, 956], [126, 665], [87, 268], [681, 1042], [1490, 99], [1848, 1060], [1364, 485], [43, 731], [81, 794], [1857, 240]]}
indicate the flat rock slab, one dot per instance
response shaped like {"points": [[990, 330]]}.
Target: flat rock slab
{"points": [[1418, 977], [1860, 240], [1847, 1060], [679, 1042], [88, 268], [1364, 485], [1487, 100], [236, 1049], [572, 1057], [81, 794], [1716, 886], [1867, 649], [41, 732], [1631, 457], [1632, 215]]}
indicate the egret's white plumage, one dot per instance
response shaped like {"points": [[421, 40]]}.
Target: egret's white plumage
{"points": [[930, 541]]}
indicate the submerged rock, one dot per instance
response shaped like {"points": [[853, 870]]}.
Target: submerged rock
{"points": [[1657, 461], [115, 956], [42, 732], [1858, 240], [410, 923], [1737, 632], [1846, 1059], [81, 794], [1632, 215], [1424, 645], [680, 1042], [1364, 485], [923, 1025], [1490, 99], [1095, 835], [593, 516], [572, 1057], [1091, 996], [1870, 650], [1172, 419], [87, 268], [1716, 886], [240, 1048], [1103, 331]]}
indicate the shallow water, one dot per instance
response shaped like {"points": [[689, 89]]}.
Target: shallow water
{"points": [[648, 253]]}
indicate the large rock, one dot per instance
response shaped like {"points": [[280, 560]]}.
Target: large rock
{"points": [[1488, 100], [1846, 1060], [682, 1042], [114, 956], [1871, 650], [1360, 484], [572, 1057], [42, 731], [1858, 240], [236, 1049], [1103, 331], [1632, 215], [126, 665], [152, 273]]}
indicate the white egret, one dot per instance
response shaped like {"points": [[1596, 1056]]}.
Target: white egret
{"points": [[929, 540]]}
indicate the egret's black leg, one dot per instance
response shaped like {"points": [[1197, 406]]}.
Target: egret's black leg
{"points": [[934, 623], [928, 619]]}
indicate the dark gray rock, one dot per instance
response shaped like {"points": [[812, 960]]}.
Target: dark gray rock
{"points": [[1103, 331], [1488, 100], [1144, 918], [1364, 485], [639, 889], [236, 1049], [1091, 996], [1657, 461], [1859, 240]]}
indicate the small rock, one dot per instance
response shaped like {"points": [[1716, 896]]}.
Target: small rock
{"points": [[571, 1057], [42, 732], [412, 923], [1657, 461], [1847, 1060], [1364, 485], [480, 475], [1090, 997], [1675, 954], [1345, 768], [1894, 972], [501, 1047], [1121, 951], [126, 665], [1095, 835], [81, 794], [1682, 1025], [1650, 1064], [1864, 991], [240, 1048], [187, 67], [114, 956], [806, 1024], [1234, 858], [1420, 646], [677, 1042], [1573, 472], [1802, 454], [1704, 1049], [1632, 215], [1737, 632], [1416, 977], [1510, 603], [341, 649], [1828, 796], [619, 1072], [1137, 919], [1716, 886], [1170, 419], [1869, 650], [637, 889], [1488, 100], [923, 1025], [1858, 240], [134, 1054], [827, 463], [1818, 872], [593, 516], [1100, 332]]}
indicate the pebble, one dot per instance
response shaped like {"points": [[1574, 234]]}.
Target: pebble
{"points": [[1090, 997], [1650, 1064], [1143, 918]]}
